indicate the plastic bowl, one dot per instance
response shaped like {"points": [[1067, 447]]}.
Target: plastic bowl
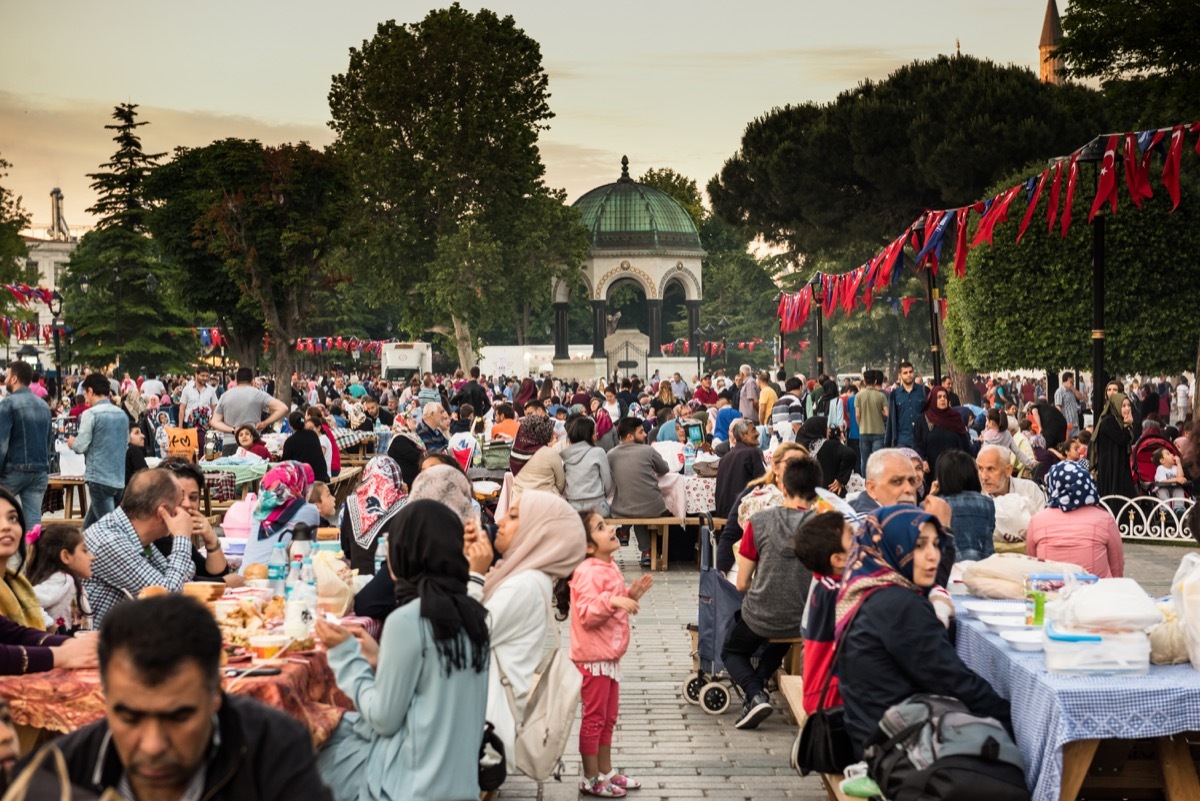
{"points": [[979, 608], [1023, 639], [267, 646], [1004, 622]]}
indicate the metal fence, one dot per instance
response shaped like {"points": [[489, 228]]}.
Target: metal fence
{"points": [[1150, 519]]}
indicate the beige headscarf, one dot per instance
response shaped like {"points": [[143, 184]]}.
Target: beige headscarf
{"points": [[448, 486], [550, 537]]}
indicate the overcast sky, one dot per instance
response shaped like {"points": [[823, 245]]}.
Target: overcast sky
{"points": [[670, 84]]}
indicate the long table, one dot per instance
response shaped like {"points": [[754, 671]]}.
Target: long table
{"points": [[1063, 722]]}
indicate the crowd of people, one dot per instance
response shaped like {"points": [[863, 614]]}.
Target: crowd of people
{"points": [[467, 601]]}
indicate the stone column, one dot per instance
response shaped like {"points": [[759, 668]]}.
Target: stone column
{"points": [[693, 315], [654, 314], [561, 331], [599, 328]]}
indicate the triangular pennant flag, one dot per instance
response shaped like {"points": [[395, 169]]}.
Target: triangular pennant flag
{"points": [[1170, 175], [960, 245], [1106, 184], [1072, 178], [907, 303], [1033, 201]]}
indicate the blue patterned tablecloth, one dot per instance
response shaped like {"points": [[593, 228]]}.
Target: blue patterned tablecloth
{"points": [[1050, 710]]}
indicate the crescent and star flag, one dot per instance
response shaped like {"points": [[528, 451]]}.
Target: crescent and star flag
{"points": [[1072, 178], [1170, 175], [1106, 185], [1033, 201]]}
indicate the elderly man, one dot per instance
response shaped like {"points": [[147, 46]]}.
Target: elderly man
{"points": [[433, 427], [1017, 499], [890, 479], [125, 564], [740, 466], [635, 468], [169, 732], [748, 392]]}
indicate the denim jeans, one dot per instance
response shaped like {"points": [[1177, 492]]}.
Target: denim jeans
{"points": [[867, 444], [30, 489], [102, 500], [740, 645]]}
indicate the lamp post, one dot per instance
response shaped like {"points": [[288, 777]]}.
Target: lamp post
{"points": [[696, 335], [1093, 152], [56, 327], [723, 327], [818, 297]]}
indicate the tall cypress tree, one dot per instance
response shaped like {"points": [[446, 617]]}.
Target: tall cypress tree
{"points": [[128, 316]]}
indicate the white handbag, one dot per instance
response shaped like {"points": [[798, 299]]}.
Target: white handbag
{"points": [[550, 710]]}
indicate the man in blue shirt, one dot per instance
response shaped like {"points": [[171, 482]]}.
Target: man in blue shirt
{"points": [[904, 408], [103, 438], [25, 442]]}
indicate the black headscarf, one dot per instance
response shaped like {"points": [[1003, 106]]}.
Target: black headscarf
{"points": [[1052, 423], [814, 430], [425, 551]]}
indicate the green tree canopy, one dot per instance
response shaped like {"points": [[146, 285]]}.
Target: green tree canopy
{"points": [[1028, 306], [130, 314], [439, 122], [13, 219], [934, 134]]}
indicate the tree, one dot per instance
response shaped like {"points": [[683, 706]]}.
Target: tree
{"points": [[270, 216], [438, 122], [13, 219], [1029, 305], [678, 186], [129, 315], [1144, 53], [932, 135]]}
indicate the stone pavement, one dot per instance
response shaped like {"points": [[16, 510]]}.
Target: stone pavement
{"points": [[679, 751]]}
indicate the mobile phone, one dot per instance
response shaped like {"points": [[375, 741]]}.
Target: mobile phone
{"points": [[261, 670]]}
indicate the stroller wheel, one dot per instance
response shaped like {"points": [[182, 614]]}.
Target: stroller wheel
{"points": [[714, 698], [692, 687]]}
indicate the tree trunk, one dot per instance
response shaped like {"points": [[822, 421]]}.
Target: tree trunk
{"points": [[463, 342], [284, 364]]}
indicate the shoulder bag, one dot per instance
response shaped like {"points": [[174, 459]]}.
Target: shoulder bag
{"points": [[823, 745]]}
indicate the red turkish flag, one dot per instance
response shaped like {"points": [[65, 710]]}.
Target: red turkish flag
{"points": [[997, 214], [1072, 178], [1136, 181], [1052, 205], [1170, 175], [960, 244], [1106, 186], [1037, 193], [907, 303]]}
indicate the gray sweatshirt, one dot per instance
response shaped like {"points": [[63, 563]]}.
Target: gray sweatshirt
{"points": [[588, 476]]}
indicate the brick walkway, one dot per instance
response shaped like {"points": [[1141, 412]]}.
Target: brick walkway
{"points": [[677, 750]]}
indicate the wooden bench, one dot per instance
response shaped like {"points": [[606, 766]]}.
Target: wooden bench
{"points": [[343, 484], [791, 686], [658, 532], [793, 662], [70, 485]]}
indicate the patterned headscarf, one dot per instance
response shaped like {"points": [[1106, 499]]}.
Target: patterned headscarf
{"points": [[375, 500], [1069, 486], [880, 556], [284, 492], [604, 423]]}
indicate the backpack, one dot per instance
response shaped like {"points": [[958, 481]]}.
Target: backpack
{"points": [[550, 711], [931, 748]]}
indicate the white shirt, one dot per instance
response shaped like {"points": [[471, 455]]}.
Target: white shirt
{"points": [[152, 386], [192, 398], [1183, 395]]}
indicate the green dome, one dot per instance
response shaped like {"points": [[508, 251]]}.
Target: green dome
{"points": [[629, 215]]}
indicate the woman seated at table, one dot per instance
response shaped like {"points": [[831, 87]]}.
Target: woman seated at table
{"points": [[539, 466], [251, 441], [282, 504], [422, 691], [1074, 527], [210, 565], [304, 445], [25, 647], [972, 514], [893, 644], [585, 467], [379, 496]]}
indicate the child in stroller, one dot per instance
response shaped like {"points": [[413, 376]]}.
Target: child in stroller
{"points": [[1168, 483]]}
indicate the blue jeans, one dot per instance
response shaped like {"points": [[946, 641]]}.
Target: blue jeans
{"points": [[30, 489], [102, 500], [867, 444]]}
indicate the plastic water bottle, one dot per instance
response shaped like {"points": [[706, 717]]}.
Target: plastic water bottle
{"points": [[689, 458], [308, 576], [277, 570], [380, 554], [307, 591], [293, 576]]}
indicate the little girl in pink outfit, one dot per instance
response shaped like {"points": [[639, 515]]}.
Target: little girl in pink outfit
{"points": [[601, 605]]}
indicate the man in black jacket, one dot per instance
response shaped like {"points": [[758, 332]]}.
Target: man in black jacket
{"points": [[473, 393], [169, 731]]}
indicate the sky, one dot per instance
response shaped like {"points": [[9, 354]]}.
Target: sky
{"points": [[668, 83]]}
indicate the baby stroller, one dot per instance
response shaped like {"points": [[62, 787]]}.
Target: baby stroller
{"points": [[710, 686], [1141, 463]]}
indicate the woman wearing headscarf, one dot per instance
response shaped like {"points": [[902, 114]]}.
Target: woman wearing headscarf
{"points": [[282, 504], [535, 432], [1074, 527], [1108, 454], [893, 644], [606, 432], [837, 460], [304, 445], [938, 430], [526, 392], [1052, 425], [540, 539], [376, 499], [421, 691]]}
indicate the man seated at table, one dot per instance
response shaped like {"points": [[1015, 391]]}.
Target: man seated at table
{"points": [[890, 479], [741, 465], [1017, 499], [433, 427], [169, 731], [635, 468], [125, 564], [505, 425]]}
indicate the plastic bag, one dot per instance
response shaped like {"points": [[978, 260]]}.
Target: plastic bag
{"points": [[1168, 646], [334, 594], [1185, 597], [1003, 575], [1112, 604]]}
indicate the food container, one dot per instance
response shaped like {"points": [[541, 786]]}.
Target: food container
{"points": [[1041, 587], [1076, 652], [259, 584], [333, 546], [1023, 639], [328, 533], [1003, 622], [264, 647], [222, 608], [978, 608]]}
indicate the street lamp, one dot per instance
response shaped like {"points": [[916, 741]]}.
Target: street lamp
{"points": [[818, 297], [696, 335], [722, 326], [55, 306]]}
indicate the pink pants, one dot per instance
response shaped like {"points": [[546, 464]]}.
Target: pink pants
{"points": [[601, 699]]}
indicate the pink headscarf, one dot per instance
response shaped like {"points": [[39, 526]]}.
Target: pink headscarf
{"points": [[550, 537], [604, 423], [284, 492]]}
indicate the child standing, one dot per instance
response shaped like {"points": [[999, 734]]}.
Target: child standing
{"points": [[599, 637], [1167, 472], [57, 568]]}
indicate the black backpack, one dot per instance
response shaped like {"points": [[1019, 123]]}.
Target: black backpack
{"points": [[931, 748]]}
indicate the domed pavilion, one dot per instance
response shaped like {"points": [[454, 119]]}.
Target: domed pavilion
{"points": [[638, 234]]}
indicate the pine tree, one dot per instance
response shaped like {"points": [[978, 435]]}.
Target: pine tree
{"points": [[127, 315]]}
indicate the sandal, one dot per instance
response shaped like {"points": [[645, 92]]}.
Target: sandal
{"points": [[625, 782], [600, 788]]}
